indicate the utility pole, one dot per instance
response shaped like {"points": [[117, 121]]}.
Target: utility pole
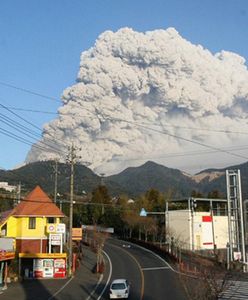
{"points": [[102, 184], [55, 168], [18, 194], [71, 160]]}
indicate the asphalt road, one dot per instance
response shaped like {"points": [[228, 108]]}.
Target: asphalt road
{"points": [[151, 278]]}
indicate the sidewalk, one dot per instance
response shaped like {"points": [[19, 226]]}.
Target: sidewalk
{"points": [[77, 288]]}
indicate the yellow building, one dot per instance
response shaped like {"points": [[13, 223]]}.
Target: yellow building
{"points": [[35, 223]]}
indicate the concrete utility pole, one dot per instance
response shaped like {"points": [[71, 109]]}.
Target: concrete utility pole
{"points": [[18, 194], [71, 160], [55, 168], [102, 184]]}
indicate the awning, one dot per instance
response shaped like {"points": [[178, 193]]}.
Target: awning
{"points": [[42, 255]]}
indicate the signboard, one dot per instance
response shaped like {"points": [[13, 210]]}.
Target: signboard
{"points": [[77, 234], [98, 228], [51, 228], [7, 244], [56, 239], [237, 256], [143, 213], [207, 232], [4, 255], [60, 228]]}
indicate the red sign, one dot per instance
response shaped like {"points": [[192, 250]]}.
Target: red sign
{"points": [[206, 219]]}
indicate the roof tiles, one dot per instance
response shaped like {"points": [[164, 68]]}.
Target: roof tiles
{"points": [[37, 203]]}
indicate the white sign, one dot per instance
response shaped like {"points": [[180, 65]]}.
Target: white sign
{"points": [[60, 228], [143, 212], [237, 256], [55, 239]]}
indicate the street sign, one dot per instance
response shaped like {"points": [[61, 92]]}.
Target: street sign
{"points": [[60, 228], [143, 212], [55, 239], [51, 228]]}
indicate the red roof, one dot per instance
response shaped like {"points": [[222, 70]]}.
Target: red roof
{"points": [[4, 215], [37, 203]]}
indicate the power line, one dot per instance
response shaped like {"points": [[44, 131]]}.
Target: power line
{"points": [[143, 123], [16, 124], [21, 139], [180, 138], [130, 122], [190, 153], [19, 129], [29, 91], [32, 110], [55, 99]]}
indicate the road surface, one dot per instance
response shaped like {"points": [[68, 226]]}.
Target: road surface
{"points": [[151, 277]]}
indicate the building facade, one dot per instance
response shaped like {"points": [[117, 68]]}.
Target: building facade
{"points": [[36, 225]]}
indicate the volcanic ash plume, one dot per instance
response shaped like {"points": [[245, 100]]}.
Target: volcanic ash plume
{"points": [[137, 94]]}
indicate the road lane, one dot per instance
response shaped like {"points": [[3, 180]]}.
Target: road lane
{"points": [[160, 282], [124, 266]]}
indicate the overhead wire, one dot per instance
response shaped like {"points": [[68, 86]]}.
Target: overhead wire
{"points": [[138, 125], [180, 138], [28, 91], [19, 127], [143, 123], [55, 99]]}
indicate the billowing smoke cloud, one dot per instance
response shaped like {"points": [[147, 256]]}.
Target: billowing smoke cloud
{"points": [[133, 86]]}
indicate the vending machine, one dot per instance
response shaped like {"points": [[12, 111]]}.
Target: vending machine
{"points": [[59, 268], [38, 268], [48, 268]]}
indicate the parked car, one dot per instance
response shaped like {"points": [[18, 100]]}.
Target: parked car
{"points": [[119, 289]]}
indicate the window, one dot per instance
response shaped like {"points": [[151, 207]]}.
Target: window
{"points": [[51, 220], [4, 230], [32, 223]]}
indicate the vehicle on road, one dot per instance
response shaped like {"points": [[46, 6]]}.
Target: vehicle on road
{"points": [[119, 289]]}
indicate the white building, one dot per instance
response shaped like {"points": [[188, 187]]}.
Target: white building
{"points": [[4, 185], [198, 230]]}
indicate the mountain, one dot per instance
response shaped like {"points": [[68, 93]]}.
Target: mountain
{"points": [[132, 181], [137, 180], [219, 183], [43, 174]]}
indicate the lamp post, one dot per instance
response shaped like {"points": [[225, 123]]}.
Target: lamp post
{"points": [[144, 213]]}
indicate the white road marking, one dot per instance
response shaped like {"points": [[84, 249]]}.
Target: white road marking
{"points": [[155, 268], [56, 293], [99, 281], [163, 260], [110, 274]]}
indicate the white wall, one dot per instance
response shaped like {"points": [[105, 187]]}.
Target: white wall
{"points": [[180, 227], [178, 222]]}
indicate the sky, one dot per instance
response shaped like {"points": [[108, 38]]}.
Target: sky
{"points": [[41, 43]]}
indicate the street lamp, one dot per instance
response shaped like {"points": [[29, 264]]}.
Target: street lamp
{"points": [[144, 213]]}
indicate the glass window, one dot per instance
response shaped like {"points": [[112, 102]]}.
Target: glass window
{"points": [[118, 286], [51, 220], [32, 223]]}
